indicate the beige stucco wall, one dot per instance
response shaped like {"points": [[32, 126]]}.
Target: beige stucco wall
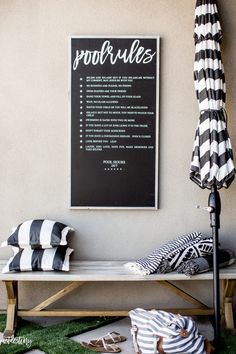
{"points": [[34, 144]]}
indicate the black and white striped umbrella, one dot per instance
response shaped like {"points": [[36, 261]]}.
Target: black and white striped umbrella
{"points": [[212, 158], [212, 164]]}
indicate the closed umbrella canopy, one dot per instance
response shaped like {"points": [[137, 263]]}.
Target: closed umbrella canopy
{"points": [[212, 164], [212, 158]]}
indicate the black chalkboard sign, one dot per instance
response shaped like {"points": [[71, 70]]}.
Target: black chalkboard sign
{"points": [[114, 121]]}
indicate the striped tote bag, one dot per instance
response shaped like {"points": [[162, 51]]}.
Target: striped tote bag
{"points": [[165, 333]]}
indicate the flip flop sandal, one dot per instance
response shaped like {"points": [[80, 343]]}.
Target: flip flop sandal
{"points": [[109, 338], [108, 348]]}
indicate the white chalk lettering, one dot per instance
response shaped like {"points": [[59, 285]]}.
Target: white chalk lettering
{"points": [[136, 54]]}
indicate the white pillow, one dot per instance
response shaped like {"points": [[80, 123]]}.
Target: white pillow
{"points": [[28, 259], [38, 234]]}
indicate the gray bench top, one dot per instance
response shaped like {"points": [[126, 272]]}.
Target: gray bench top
{"points": [[107, 271]]}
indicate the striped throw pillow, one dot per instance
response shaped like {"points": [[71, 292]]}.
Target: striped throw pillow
{"points": [[38, 234], [28, 259]]}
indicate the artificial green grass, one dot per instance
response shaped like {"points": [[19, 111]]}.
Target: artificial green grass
{"points": [[53, 339], [228, 345]]}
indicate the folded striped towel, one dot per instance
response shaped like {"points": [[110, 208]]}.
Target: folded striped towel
{"points": [[168, 257], [205, 263]]}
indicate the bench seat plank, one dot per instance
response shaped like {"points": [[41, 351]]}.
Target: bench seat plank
{"points": [[108, 271]]}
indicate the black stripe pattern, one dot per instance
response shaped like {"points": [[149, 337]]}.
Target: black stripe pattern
{"points": [[49, 259], [148, 327], [205, 263], [169, 257], [40, 233], [212, 157]]}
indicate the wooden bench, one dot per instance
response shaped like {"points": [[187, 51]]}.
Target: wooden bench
{"points": [[113, 271]]}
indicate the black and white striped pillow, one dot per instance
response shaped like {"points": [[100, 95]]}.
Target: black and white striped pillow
{"points": [[49, 259], [38, 234]]}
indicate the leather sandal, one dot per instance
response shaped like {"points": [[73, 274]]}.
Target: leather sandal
{"points": [[109, 338], [107, 348]]}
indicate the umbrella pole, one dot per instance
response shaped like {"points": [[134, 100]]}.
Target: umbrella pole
{"points": [[215, 205]]}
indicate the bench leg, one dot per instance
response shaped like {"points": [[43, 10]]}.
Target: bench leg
{"points": [[12, 304], [228, 303]]}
